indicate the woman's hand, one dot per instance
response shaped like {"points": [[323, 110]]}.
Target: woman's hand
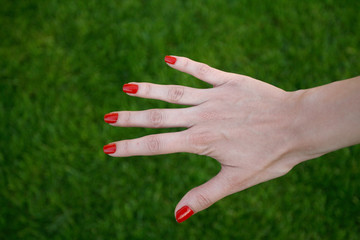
{"points": [[249, 126]]}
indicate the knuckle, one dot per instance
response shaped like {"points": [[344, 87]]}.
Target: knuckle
{"points": [[156, 118], [175, 93], [203, 201], [147, 89], [125, 118], [201, 141], [186, 62], [203, 69], [153, 144], [233, 181], [128, 117], [207, 115], [125, 148], [233, 78]]}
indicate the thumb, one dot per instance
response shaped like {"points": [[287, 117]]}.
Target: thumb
{"points": [[202, 197]]}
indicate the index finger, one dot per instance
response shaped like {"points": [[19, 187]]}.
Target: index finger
{"points": [[199, 70]]}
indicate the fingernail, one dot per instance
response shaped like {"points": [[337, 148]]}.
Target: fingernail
{"points": [[183, 213], [110, 148], [170, 59], [111, 117], [130, 88]]}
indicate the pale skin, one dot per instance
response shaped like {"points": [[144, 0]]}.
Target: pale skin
{"points": [[256, 131]]}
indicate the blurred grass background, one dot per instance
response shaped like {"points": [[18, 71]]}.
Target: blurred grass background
{"points": [[62, 67]]}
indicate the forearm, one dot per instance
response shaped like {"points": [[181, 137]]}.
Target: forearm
{"points": [[330, 117]]}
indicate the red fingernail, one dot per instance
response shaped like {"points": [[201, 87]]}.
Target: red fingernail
{"points": [[110, 148], [183, 213], [111, 117], [130, 88], [170, 59]]}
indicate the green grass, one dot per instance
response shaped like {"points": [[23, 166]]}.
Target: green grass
{"points": [[62, 67]]}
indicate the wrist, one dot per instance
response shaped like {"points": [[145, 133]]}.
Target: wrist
{"points": [[327, 118], [305, 133]]}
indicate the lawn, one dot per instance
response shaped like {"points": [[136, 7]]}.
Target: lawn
{"points": [[62, 67]]}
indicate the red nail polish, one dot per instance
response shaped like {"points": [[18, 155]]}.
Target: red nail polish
{"points": [[130, 88], [110, 148], [111, 117], [170, 59], [183, 213]]}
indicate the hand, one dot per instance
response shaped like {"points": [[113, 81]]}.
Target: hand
{"points": [[247, 125]]}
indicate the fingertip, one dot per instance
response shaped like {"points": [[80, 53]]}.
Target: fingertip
{"points": [[130, 88], [183, 214], [109, 148], [111, 117], [170, 59]]}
